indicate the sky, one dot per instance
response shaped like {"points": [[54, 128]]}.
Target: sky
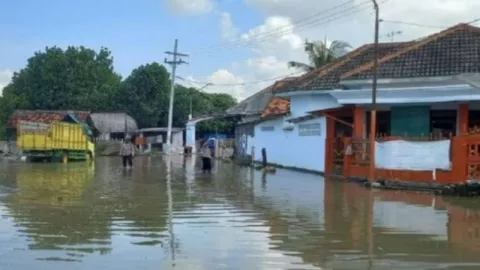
{"points": [[240, 46]]}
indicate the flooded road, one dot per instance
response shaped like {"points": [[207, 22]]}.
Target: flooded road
{"points": [[164, 214]]}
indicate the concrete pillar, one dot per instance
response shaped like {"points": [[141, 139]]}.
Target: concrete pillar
{"points": [[216, 149], [190, 136], [141, 145], [462, 116], [358, 121]]}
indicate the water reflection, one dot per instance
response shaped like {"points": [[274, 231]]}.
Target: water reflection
{"points": [[166, 214]]}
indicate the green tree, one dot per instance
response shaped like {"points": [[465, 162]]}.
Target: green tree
{"points": [[77, 78], [144, 94], [202, 104], [320, 53], [8, 103]]}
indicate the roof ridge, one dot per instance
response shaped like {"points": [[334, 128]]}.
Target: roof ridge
{"points": [[414, 46], [49, 111], [327, 66], [339, 63]]}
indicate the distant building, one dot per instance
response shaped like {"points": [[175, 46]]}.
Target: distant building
{"points": [[157, 136], [112, 126]]}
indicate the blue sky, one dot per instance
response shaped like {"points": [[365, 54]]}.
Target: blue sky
{"points": [[137, 32]]}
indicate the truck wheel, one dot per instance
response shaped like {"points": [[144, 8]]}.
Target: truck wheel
{"points": [[88, 156], [64, 158]]}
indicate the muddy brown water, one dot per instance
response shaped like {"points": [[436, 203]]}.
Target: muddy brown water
{"points": [[165, 214]]}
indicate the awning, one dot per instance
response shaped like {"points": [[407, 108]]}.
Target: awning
{"points": [[408, 95], [301, 118]]}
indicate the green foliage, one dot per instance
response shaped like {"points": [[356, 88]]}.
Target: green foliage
{"points": [[144, 95], [320, 53], [202, 104], [76, 78], [79, 78]]}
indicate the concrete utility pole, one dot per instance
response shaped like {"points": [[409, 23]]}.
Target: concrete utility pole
{"points": [[373, 112], [176, 61]]}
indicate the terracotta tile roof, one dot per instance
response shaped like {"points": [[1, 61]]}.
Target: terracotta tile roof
{"points": [[43, 116], [450, 52], [295, 81], [328, 77], [276, 106], [283, 84]]}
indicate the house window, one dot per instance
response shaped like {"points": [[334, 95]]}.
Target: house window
{"points": [[309, 129], [383, 123], [443, 123], [267, 128], [473, 119]]}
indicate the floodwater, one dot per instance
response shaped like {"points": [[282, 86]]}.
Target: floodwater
{"points": [[164, 214]]}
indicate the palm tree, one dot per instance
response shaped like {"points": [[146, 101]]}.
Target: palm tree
{"points": [[320, 53]]}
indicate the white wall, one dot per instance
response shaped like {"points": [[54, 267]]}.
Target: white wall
{"points": [[190, 135], [288, 148], [177, 139], [104, 136], [301, 105]]}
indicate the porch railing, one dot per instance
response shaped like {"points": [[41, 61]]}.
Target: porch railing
{"points": [[464, 157]]}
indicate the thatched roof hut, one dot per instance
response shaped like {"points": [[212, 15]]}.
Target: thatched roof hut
{"points": [[113, 122]]}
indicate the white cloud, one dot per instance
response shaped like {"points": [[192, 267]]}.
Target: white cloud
{"points": [[5, 77], [223, 82], [190, 7], [280, 37], [267, 60], [228, 30]]}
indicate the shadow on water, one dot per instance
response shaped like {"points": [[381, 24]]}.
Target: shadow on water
{"points": [[164, 214]]}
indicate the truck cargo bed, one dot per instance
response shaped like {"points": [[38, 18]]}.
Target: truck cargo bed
{"points": [[59, 136]]}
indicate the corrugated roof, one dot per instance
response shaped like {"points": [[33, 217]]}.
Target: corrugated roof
{"points": [[253, 104], [113, 122], [256, 103]]}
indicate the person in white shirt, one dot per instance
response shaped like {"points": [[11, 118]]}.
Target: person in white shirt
{"points": [[127, 151]]}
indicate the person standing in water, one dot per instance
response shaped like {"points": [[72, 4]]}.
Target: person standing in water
{"points": [[127, 151], [206, 159]]}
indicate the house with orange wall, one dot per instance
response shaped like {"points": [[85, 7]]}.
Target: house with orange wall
{"points": [[425, 88]]}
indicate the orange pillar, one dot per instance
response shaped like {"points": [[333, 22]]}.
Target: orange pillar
{"points": [[462, 112], [358, 121]]}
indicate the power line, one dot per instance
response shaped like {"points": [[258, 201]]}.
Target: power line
{"points": [[424, 25], [412, 24], [272, 34], [239, 40], [241, 84], [474, 21], [392, 35]]}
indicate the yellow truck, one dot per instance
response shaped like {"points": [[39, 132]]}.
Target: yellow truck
{"points": [[57, 141], [53, 185]]}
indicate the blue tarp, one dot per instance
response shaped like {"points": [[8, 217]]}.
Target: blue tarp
{"points": [[70, 118], [211, 143]]}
